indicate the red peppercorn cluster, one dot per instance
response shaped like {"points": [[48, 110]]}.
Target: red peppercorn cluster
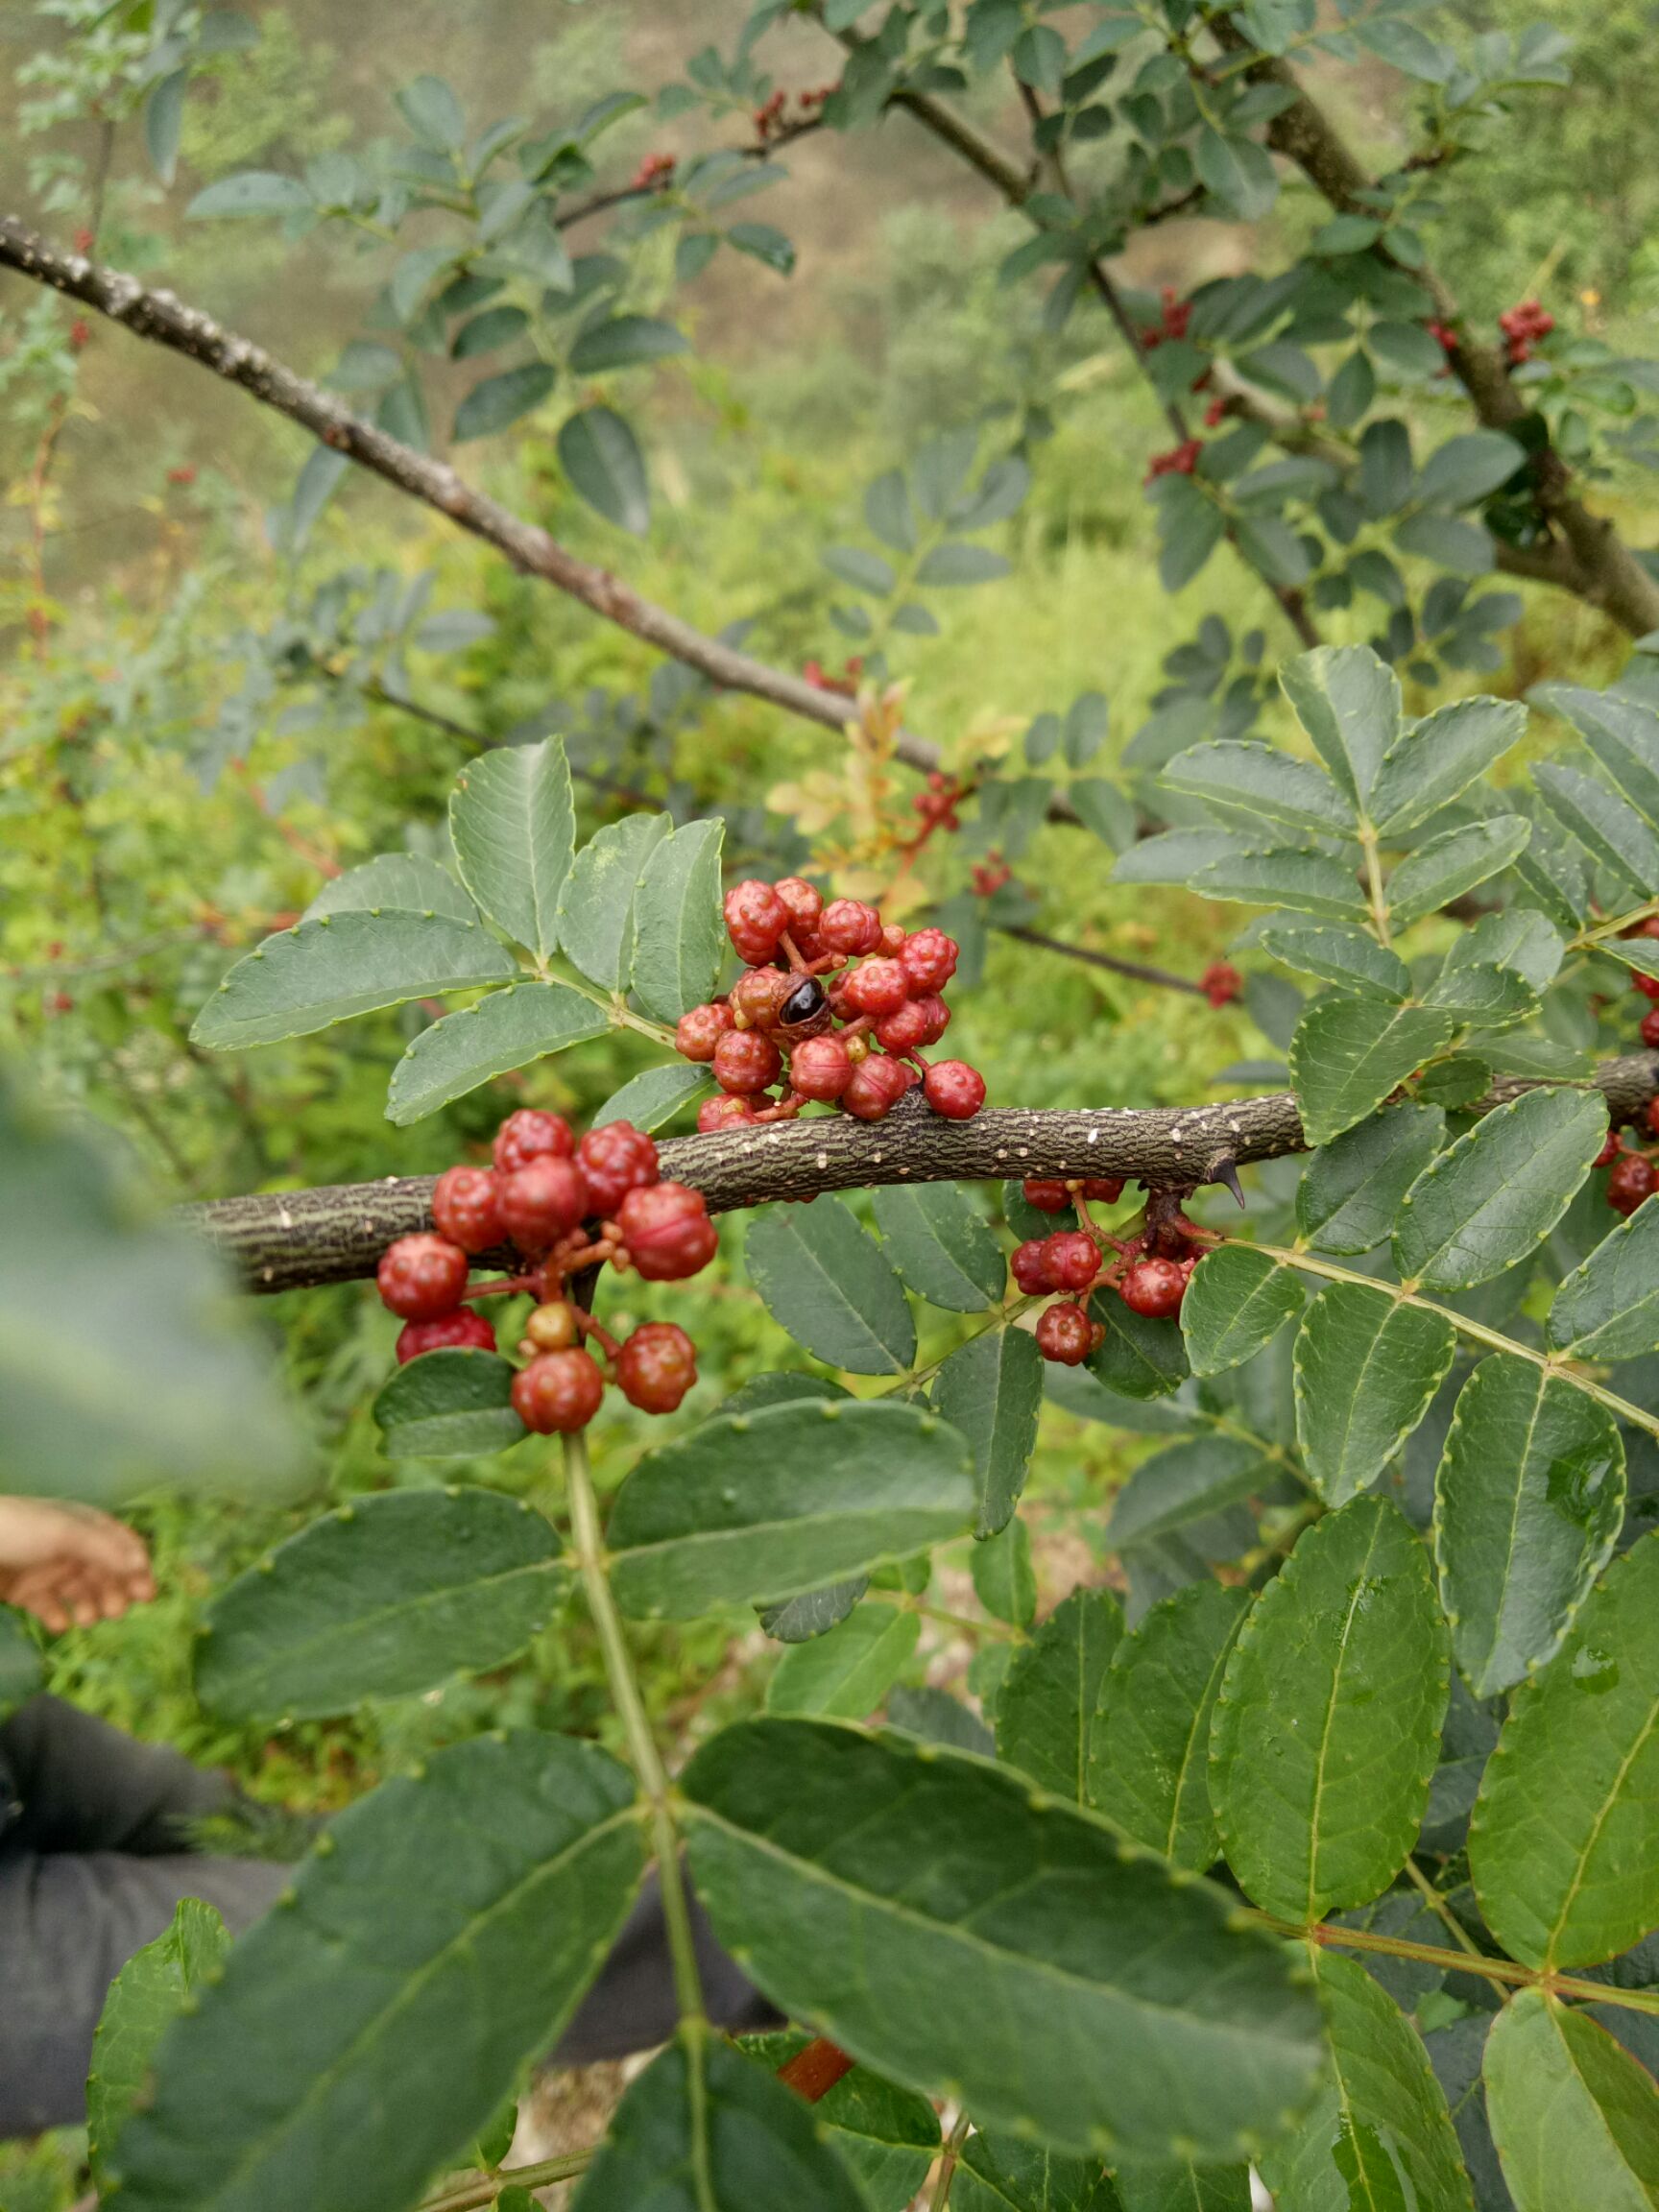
{"points": [[1180, 460], [1174, 316], [776, 115], [835, 1007], [566, 1205], [1220, 983], [847, 682], [1523, 327], [655, 174], [1149, 1271], [937, 805], [988, 876]]}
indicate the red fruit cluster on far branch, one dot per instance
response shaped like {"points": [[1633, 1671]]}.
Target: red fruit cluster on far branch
{"points": [[1523, 327], [1180, 460]]}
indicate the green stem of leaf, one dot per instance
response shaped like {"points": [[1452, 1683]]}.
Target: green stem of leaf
{"points": [[1376, 894], [1506, 1971], [472, 2196], [1442, 1911], [953, 2142]]}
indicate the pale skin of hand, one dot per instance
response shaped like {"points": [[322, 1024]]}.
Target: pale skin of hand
{"points": [[69, 1565]]}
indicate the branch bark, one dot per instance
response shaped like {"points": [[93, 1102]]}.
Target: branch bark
{"points": [[337, 1233]]}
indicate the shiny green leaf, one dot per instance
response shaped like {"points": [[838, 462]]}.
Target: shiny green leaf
{"points": [[824, 1279], [1454, 863], [455, 1404], [514, 822], [1348, 701], [596, 905], [1349, 958], [1348, 1055], [319, 973], [399, 880], [1433, 760], [1366, 1367], [1310, 883], [941, 1245], [1608, 1308], [507, 1029], [991, 1388], [1141, 1357], [1237, 1302], [1263, 781], [1612, 833], [1575, 2117], [1493, 1199], [651, 1100], [1048, 1703], [1623, 735], [1351, 1190], [680, 940], [846, 1672]]}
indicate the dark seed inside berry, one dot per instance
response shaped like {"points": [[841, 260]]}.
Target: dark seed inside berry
{"points": [[803, 1004]]}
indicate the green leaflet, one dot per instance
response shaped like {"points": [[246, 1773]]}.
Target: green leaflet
{"points": [[1348, 701], [422, 1928], [1047, 1707], [596, 905], [652, 1098], [1328, 1723], [680, 940], [889, 2136], [1613, 835], [1494, 1197], [20, 1668], [945, 1926], [1263, 781], [1352, 1187], [1309, 882], [846, 1672], [1561, 1842], [397, 881], [1004, 1580], [1366, 1367], [1175, 855], [514, 822], [1380, 2138], [940, 1245], [1453, 863], [761, 1506], [1608, 1308], [1349, 1054], [1349, 958], [1149, 1745], [381, 1599], [823, 1279], [1430, 763], [455, 1404], [145, 1997], [1237, 1302], [1575, 2117], [1185, 1482], [319, 973], [508, 1030], [1623, 735], [991, 1389], [1516, 937], [1528, 1503], [1184, 2188], [1000, 2174], [1139, 1358]]}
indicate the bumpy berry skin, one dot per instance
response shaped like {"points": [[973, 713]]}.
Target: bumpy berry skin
{"points": [[1647, 985], [464, 1329], [1072, 1259], [755, 917], [820, 1068], [847, 927], [758, 997], [553, 1327], [1630, 1181], [954, 1089], [905, 1031], [656, 1366], [727, 1112], [746, 1062], [938, 1018], [667, 1232], [1104, 1189], [1611, 1150], [422, 1278], [543, 1202], [929, 960], [467, 1210], [614, 1161], [1154, 1288], [878, 1085], [878, 987], [698, 1031], [529, 1135], [1030, 1266], [558, 1392], [1047, 1198], [1065, 1333], [802, 902], [1651, 1027]]}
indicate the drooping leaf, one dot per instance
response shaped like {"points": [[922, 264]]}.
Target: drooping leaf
{"points": [[944, 1926], [825, 1280], [845, 1673], [889, 2136], [990, 1389], [1528, 1503], [451, 1405], [941, 1246], [1366, 1368], [1608, 1308], [1351, 1190], [1612, 833], [1141, 1357], [1004, 1580], [815, 1612], [507, 1029], [1348, 701], [146, 1996], [1348, 1055], [1454, 863], [319, 973], [759, 1506], [1000, 2174], [1494, 1197], [1349, 958], [679, 937], [1263, 781], [1436, 760], [384, 1598], [652, 1098], [600, 454], [513, 819], [596, 905], [423, 1928], [1575, 2117], [495, 402], [1237, 1302], [400, 880], [1326, 1727], [1185, 1482], [1047, 1706]]}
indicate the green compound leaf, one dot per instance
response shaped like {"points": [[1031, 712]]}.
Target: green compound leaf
{"points": [[942, 1248], [889, 2136], [1263, 781], [1621, 733], [1350, 1193], [1380, 2138], [1141, 1357], [1184, 2188], [845, 1673], [1047, 1706], [1453, 863], [1366, 1368], [455, 1404], [422, 1927], [1561, 1842], [1349, 1054], [1430, 763], [991, 1388], [1613, 835], [1309, 882], [508, 1030], [946, 1927], [20, 1668], [513, 819], [1185, 1482], [319, 973], [1328, 1725], [1347, 957], [1528, 1503], [1000, 2174], [397, 881], [1575, 2117], [652, 1099], [145, 1998], [1494, 1197], [596, 906], [1237, 1302], [382, 1598], [825, 1280], [1608, 1308], [1149, 1746], [754, 1507], [1348, 701], [679, 935]]}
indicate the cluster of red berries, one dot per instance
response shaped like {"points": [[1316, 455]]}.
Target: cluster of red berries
{"points": [[937, 805], [655, 174], [1523, 327], [1220, 983], [566, 1207], [1443, 335], [988, 876], [835, 1007], [773, 118], [846, 683], [1217, 411], [1180, 460], [1149, 1271], [1172, 323]]}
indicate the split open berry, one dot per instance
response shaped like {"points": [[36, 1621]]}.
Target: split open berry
{"points": [[930, 960], [1067, 1334], [422, 1276], [1073, 1259], [877, 987], [656, 1366], [820, 1068], [667, 1232], [463, 1330], [727, 1112], [615, 1159], [1154, 1288], [878, 1084], [530, 1135], [850, 927], [1651, 1027], [1030, 1267], [954, 1089], [805, 1009], [466, 1207], [697, 1032], [905, 1031], [1047, 1198], [543, 1202], [553, 1326], [746, 1062], [1630, 1181], [558, 1392], [755, 917]]}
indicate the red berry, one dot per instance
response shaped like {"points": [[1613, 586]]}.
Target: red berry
{"points": [[758, 997], [1647, 985], [746, 1062], [1047, 1198], [1105, 1189], [543, 1202], [877, 987], [1220, 982], [667, 1232], [905, 1031], [877, 1085], [820, 1068], [1611, 1150], [802, 902], [755, 917], [938, 1018], [1154, 1288], [553, 1327], [466, 1209], [1651, 1027], [558, 1392], [462, 1327], [954, 1089], [1065, 1334], [1072, 1259], [614, 1160], [724, 1112], [697, 1032], [656, 1366], [1030, 1265], [529, 1135], [849, 927], [1629, 1180], [422, 1278], [929, 960]]}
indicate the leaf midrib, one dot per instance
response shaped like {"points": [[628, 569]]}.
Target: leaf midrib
{"points": [[1315, 1839]]}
